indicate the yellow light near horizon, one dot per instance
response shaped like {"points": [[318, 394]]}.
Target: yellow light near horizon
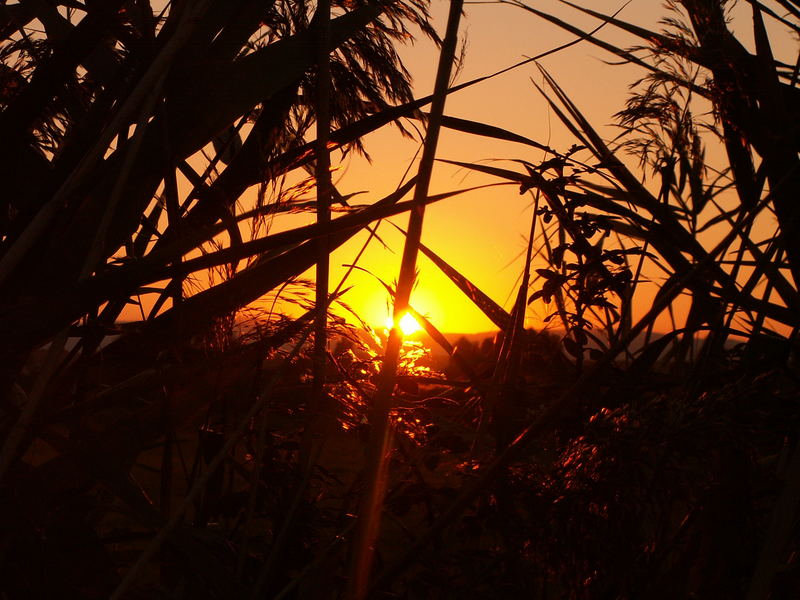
{"points": [[408, 324]]}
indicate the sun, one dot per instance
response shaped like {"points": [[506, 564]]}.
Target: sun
{"points": [[408, 324]]}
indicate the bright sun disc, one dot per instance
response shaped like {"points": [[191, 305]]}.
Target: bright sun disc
{"points": [[408, 324]]}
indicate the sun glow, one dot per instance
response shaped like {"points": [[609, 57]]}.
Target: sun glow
{"points": [[408, 324]]}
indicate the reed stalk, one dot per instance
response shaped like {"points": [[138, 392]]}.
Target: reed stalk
{"points": [[316, 417], [379, 418]]}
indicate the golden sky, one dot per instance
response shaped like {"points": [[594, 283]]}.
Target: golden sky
{"points": [[484, 233]]}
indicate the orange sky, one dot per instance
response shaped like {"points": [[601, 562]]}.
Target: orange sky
{"points": [[483, 233]]}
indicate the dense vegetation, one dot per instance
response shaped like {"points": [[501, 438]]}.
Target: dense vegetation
{"points": [[210, 449]]}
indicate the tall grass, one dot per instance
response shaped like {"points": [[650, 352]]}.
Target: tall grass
{"points": [[191, 452]]}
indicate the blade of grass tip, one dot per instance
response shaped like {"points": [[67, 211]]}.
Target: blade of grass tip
{"points": [[490, 131], [199, 484], [572, 395], [432, 330], [386, 286], [380, 434], [489, 307], [443, 342], [765, 266]]}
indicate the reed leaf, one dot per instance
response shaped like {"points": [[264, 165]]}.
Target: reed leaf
{"points": [[493, 311]]}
